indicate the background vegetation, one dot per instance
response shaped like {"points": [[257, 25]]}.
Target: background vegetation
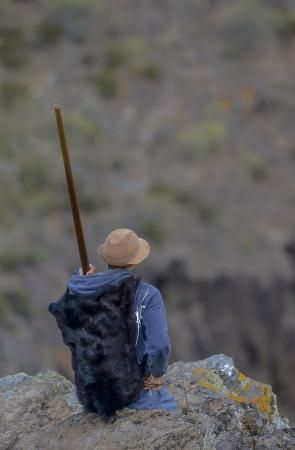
{"points": [[180, 119]]}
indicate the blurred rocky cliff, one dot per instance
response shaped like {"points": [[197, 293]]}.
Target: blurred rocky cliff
{"points": [[180, 120]]}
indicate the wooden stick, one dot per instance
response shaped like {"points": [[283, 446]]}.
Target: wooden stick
{"points": [[72, 191]]}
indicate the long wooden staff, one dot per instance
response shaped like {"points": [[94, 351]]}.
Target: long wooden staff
{"points": [[72, 191]]}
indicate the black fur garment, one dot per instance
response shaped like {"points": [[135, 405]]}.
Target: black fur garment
{"points": [[100, 334]]}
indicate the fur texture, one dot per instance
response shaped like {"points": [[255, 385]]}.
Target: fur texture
{"points": [[100, 333]]}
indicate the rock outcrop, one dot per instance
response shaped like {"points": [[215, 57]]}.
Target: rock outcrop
{"points": [[218, 408]]}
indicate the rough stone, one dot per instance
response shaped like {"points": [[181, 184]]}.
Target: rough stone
{"points": [[218, 408]]}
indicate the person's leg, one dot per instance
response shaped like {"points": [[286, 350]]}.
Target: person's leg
{"points": [[160, 399]]}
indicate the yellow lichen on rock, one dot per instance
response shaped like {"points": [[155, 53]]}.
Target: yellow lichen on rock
{"points": [[239, 388], [245, 381], [209, 379], [242, 378], [264, 402], [237, 398], [209, 386], [250, 391], [200, 370]]}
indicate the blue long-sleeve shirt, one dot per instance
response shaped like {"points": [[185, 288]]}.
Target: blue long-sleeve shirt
{"points": [[152, 339], [152, 343]]}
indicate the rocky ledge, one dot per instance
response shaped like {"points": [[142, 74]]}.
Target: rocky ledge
{"points": [[218, 408]]}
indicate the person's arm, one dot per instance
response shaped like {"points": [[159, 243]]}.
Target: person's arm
{"points": [[158, 347]]}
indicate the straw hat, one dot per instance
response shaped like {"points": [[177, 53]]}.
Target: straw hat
{"points": [[123, 247]]}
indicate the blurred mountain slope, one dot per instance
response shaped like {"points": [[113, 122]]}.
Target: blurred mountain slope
{"points": [[180, 119]]}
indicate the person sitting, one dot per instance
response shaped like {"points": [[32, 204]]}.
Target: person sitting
{"points": [[122, 251]]}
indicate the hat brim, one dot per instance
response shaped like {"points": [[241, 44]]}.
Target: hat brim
{"points": [[142, 254]]}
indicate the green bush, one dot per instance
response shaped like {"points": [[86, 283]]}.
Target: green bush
{"points": [[154, 231], [81, 4], [11, 204], [206, 212], [286, 25], [42, 202], [18, 302], [81, 126], [114, 56], [12, 92], [246, 26], [186, 199], [12, 259], [257, 166], [12, 48], [170, 192], [139, 58], [160, 189], [6, 144], [136, 51], [3, 307], [205, 138], [107, 82], [34, 175], [70, 19], [49, 32], [149, 71]]}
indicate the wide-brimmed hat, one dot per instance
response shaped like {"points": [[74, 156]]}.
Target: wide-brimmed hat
{"points": [[123, 247]]}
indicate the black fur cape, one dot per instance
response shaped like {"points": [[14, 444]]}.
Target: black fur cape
{"points": [[100, 334]]}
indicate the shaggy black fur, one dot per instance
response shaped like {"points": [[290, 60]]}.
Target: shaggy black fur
{"points": [[100, 333]]}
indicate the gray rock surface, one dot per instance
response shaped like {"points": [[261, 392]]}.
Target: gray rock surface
{"points": [[218, 408]]}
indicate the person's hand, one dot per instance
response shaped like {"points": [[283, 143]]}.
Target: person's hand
{"points": [[91, 271], [152, 383]]}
